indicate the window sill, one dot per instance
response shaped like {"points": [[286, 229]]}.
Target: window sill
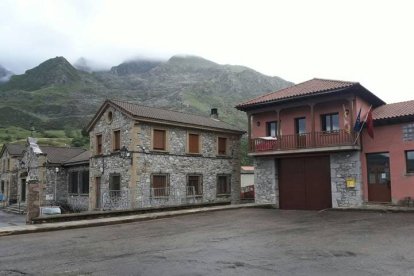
{"points": [[73, 194], [409, 174], [159, 151], [224, 195], [194, 154], [196, 196]]}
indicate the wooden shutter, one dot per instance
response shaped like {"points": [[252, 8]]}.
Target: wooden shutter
{"points": [[159, 139], [193, 143], [99, 144], [222, 146], [159, 181], [115, 182], [85, 182], [117, 140]]}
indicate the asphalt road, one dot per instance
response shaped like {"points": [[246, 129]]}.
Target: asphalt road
{"points": [[235, 242], [7, 219]]}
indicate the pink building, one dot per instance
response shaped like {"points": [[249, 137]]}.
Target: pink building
{"points": [[308, 156]]}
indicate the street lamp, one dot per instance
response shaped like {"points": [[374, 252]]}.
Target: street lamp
{"points": [[125, 154]]}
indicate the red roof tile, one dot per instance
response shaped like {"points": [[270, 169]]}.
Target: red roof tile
{"points": [[309, 87], [394, 110]]}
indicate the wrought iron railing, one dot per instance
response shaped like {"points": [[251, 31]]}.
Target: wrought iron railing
{"points": [[302, 141]]}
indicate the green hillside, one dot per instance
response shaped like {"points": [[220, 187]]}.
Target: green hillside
{"points": [[57, 96]]}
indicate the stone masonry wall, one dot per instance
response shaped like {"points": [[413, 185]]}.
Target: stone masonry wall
{"points": [[175, 162], [9, 176], [266, 181], [346, 165]]}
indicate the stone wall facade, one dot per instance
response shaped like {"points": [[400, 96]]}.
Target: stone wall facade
{"points": [[266, 181], [8, 177], [175, 162], [343, 166], [346, 165]]}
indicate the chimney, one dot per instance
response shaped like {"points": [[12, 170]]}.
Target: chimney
{"points": [[214, 113]]}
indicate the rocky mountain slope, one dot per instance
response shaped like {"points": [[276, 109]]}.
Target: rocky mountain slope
{"points": [[56, 95]]}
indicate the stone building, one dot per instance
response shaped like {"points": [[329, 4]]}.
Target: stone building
{"points": [[62, 172], [143, 156], [10, 157], [308, 155]]}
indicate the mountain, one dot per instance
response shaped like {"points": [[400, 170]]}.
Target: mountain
{"points": [[51, 72], [4, 74], [56, 95]]}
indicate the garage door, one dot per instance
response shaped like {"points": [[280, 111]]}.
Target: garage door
{"points": [[305, 183]]}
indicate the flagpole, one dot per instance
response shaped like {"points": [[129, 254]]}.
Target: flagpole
{"points": [[363, 123]]}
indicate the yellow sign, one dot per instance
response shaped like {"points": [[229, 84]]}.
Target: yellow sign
{"points": [[350, 182]]}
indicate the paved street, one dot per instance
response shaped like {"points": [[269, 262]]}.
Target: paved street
{"points": [[7, 219], [235, 242]]}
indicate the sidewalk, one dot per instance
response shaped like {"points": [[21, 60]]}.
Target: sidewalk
{"points": [[34, 228], [377, 208]]}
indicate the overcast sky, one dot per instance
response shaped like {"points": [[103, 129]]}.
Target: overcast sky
{"points": [[367, 41]]}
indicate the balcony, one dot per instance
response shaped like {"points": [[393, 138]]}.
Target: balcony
{"points": [[306, 142]]}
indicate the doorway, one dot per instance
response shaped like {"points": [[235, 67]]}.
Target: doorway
{"points": [[23, 191], [379, 178]]}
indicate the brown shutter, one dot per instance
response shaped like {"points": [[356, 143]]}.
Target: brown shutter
{"points": [[159, 139], [159, 181], [117, 140], [193, 143], [222, 146], [98, 144]]}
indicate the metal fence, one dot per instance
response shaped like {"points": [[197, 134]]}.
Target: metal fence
{"points": [[153, 197]]}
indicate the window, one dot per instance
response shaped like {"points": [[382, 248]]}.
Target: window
{"points": [[117, 140], [115, 182], [4, 165], [160, 185], [409, 160], [223, 185], [73, 183], [159, 139], [300, 125], [8, 164], [99, 144], [271, 129], [2, 187], [194, 185], [84, 184], [193, 143], [222, 146], [330, 122], [79, 182]]}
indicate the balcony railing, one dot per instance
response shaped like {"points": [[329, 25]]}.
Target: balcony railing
{"points": [[303, 141]]}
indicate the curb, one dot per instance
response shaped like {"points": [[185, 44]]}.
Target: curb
{"points": [[371, 210], [26, 229]]}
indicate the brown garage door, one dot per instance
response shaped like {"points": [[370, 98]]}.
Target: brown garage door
{"points": [[305, 183]]}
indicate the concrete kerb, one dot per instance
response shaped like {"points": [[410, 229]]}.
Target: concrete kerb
{"points": [[36, 228], [374, 209]]}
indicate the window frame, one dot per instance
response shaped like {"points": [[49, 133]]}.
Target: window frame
{"points": [[268, 128], [165, 139], [228, 184], [407, 170], [80, 182], [99, 147], [199, 143], [111, 176], [114, 142], [324, 124], [225, 146], [167, 185], [198, 192]]}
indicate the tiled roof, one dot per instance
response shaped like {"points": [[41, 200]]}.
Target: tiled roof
{"points": [[394, 110], [141, 111], [60, 154], [81, 158], [307, 88], [15, 149]]}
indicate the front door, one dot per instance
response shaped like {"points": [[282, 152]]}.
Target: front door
{"points": [[98, 192], [23, 191], [379, 179], [300, 130]]}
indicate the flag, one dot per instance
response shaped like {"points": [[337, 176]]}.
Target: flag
{"points": [[370, 124], [358, 123]]}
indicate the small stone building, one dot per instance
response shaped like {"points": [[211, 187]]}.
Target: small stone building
{"points": [[62, 172], [144, 156], [10, 157]]}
